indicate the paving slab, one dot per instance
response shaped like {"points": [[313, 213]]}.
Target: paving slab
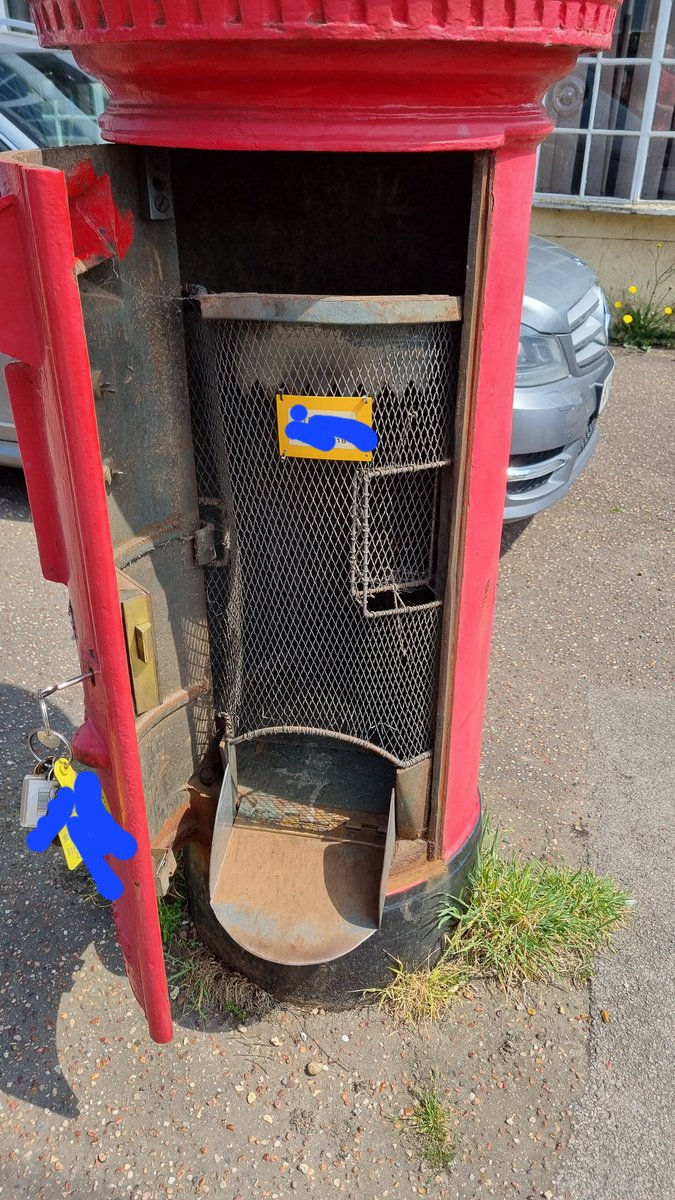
{"points": [[624, 1141]]}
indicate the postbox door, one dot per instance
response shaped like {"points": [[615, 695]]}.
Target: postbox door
{"points": [[53, 226]]}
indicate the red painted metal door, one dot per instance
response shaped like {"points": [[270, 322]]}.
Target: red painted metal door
{"points": [[51, 228]]}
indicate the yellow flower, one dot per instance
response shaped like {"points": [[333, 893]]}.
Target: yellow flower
{"points": [[618, 303], [628, 320], [659, 245], [633, 290], [668, 310]]}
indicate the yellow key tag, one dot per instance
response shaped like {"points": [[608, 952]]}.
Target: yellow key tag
{"points": [[65, 777]]}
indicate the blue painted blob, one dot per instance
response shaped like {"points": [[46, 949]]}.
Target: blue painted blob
{"points": [[94, 831], [322, 430]]}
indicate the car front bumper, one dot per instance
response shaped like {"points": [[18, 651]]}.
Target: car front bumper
{"points": [[10, 455], [563, 419]]}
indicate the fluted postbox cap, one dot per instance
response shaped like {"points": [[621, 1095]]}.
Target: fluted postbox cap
{"points": [[326, 74]]}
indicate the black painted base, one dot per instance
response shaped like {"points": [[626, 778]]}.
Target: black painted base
{"points": [[409, 932]]}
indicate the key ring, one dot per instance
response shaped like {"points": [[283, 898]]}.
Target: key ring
{"points": [[60, 741], [49, 691]]}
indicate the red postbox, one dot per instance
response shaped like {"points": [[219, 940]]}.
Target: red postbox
{"points": [[265, 351]]}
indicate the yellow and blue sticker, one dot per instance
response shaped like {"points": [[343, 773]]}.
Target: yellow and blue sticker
{"points": [[328, 427]]}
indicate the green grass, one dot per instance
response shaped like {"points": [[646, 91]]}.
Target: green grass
{"points": [[206, 986], [430, 1123], [532, 921], [522, 922], [425, 994], [172, 912]]}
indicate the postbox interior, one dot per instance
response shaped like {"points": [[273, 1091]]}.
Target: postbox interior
{"points": [[325, 599]]}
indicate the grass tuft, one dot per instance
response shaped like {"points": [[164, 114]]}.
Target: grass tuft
{"points": [[425, 994], [172, 912], [207, 987], [430, 1122], [532, 921], [521, 922]]}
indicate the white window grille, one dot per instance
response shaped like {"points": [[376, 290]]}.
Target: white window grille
{"points": [[18, 10], [614, 143]]}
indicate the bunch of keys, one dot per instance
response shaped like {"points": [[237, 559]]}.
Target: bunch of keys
{"points": [[53, 770], [38, 788]]}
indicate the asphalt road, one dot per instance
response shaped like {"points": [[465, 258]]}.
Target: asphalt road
{"points": [[578, 763]]}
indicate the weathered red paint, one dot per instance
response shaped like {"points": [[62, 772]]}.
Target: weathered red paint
{"points": [[89, 747], [326, 74], [53, 405], [99, 228], [488, 461]]}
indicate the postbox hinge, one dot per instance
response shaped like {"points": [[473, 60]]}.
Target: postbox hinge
{"points": [[212, 537], [205, 544], [155, 185]]}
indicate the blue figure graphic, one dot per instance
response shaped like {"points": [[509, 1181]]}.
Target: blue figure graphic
{"points": [[322, 430], [94, 831]]}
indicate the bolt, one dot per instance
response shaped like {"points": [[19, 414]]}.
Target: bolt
{"points": [[162, 202]]}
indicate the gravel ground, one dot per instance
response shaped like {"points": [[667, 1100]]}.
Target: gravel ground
{"points": [[91, 1105]]}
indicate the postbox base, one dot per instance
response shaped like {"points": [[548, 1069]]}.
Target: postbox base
{"points": [[409, 932]]}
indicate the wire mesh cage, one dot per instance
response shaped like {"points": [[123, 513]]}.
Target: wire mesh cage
{"points": [[324, 601]]}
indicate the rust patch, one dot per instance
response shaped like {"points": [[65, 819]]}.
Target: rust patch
{"points": [[183, 525], [191, 822]]}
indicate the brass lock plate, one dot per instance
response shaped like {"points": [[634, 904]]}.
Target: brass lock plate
{"points": [[140, 639]]}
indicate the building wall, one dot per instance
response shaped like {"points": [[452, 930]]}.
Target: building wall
{"points": [[620, 245]]}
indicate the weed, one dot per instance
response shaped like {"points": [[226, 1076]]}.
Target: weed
{"points": [[172, 911], [430, 1121], [425, 994], [532, 921], [521, 922], [644, 318], [208, 987]]}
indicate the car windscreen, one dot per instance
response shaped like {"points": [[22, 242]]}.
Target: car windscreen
{"points": [[49, 99]]}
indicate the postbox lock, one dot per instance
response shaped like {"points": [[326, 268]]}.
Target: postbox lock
{"points": [[140, 639], [143, 638]]}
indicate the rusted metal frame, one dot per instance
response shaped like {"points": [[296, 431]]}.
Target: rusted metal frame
{"points": [[361, 594], [401, 609], [192, 821], [125, 556], [409, 470], [366, 540], [271, 730], [465, 414], [396, 587], [172, 704], [329, 310]]}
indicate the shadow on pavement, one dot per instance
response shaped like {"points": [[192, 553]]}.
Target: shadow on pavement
{"points": [[510, 534], [14, 504], [50, 916]]}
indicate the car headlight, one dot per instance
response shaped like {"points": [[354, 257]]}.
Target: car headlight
{"points": [[541, 359]]}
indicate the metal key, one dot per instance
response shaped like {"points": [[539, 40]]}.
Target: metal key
{"points": [[37, 790]]}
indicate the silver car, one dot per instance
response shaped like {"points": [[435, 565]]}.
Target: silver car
{"points": [[45, 100], [563, 379]]}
